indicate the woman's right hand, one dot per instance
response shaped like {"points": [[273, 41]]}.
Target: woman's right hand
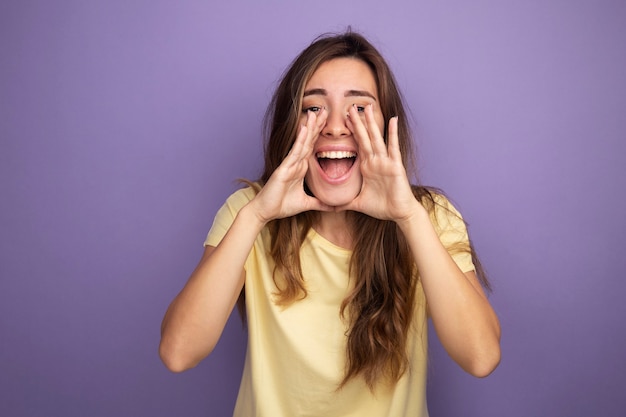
{"points": [[283, 195]]}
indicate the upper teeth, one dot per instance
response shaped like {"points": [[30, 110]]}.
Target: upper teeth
{"points": [[336, 154]]}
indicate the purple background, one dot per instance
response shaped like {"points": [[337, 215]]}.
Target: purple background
{"points": [[123, 125]]}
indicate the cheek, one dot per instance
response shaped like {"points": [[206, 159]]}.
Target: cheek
{"points": [[311, 169], [380, 121]]}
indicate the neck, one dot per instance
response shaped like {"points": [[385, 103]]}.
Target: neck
{"points": [[335, 227]]}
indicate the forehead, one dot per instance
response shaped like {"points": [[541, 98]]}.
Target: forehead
{"points": [[343, 74]]}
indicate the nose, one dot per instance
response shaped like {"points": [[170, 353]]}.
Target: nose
{"points": [[336, 126]]}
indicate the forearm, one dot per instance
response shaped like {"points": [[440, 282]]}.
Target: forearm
{"points": [[196, 318], [462, 316]]}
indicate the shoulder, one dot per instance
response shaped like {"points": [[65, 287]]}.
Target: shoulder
{"points": [[234, 203], [226, 214], [443, 213], [240, 198], [450, 226]]}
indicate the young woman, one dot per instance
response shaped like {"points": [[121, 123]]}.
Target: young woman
{"points": [[338, 258]]}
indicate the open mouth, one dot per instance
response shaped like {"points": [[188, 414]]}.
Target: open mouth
{"points": [[336, 164]]}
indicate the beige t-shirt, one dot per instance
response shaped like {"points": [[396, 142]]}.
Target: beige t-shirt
{"points": [[296, 354]]}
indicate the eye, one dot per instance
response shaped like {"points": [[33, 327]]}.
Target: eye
{"points": [[314, 109], [360, 108]]}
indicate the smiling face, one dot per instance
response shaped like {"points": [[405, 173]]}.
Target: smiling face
{"points": [[334, 176]]}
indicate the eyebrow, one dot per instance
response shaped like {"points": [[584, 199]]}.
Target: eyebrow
{"points": [[349, 93]]}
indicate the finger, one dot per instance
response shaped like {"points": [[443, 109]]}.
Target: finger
{"points": [[358, 129], [378, 143], [393, 140], [303, 144], [311, 118], [321, 118], [317, 122], [295, 152]]}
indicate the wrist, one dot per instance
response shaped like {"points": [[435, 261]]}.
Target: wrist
{"points": [[252, 217], [417, 216]]}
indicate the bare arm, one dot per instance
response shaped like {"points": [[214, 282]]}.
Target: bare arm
{"points": [[462, 316], [196, 318]]}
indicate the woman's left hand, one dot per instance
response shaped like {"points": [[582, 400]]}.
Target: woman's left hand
{"points": [[462, 316], [386, 192]]}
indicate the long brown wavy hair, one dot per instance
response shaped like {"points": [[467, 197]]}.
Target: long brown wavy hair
{"points": [[380, 307]]}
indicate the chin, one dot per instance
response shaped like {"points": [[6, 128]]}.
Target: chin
{"points": [[334, 195], [336, 201]]}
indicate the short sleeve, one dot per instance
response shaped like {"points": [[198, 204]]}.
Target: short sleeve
{"points": [[452, 232], [226, 215]]}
